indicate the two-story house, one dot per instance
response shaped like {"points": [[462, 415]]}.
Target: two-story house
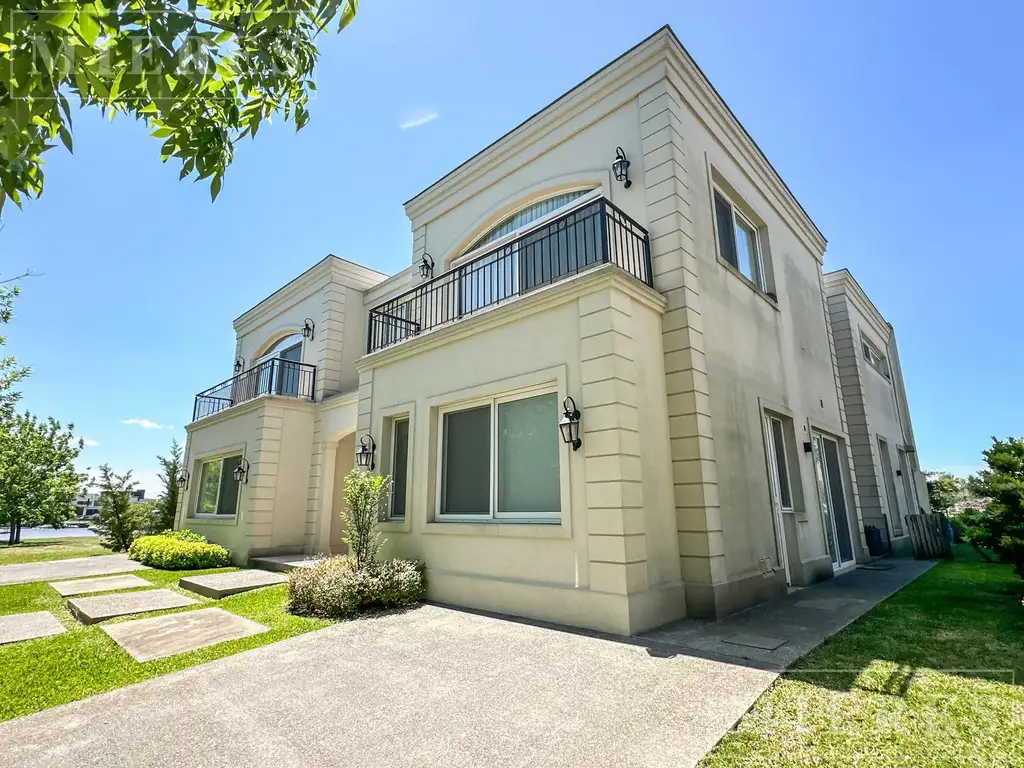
{"points": [[606, 388]]}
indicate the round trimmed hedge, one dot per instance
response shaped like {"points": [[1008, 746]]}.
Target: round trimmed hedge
{"points": [[178, 551]]}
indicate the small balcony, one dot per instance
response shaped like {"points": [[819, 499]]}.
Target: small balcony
{"points": [[596, 233], [285, 378]]}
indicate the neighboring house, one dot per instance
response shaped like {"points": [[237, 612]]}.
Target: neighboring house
{"points": [[889, 479], [88, 504], [683, 311]]}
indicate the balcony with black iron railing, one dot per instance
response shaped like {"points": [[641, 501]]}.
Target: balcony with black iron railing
{"points": [[596, 233], [285, 378]]}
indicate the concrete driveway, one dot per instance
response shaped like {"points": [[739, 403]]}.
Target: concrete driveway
{"points": [[430, 687]]}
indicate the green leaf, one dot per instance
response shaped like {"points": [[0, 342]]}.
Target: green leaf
{"points": [[88, 27], [348, 12], [215, 187], [62, 15], [65, 136]]}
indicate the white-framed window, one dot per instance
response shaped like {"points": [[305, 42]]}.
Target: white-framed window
{"points": [[778, 465], [528, 215], [218, 489], [399, 467], [875, 358], [499, 459], [739, 240]]}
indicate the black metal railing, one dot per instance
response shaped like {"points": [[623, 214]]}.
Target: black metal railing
{"points": [[594, 234], [271, 377]]}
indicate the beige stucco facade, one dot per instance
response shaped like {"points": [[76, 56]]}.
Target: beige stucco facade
{"points": [[681, 367]]}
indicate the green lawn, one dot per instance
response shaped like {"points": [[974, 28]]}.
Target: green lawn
{"points": [[934, 676], [50, 549], [37, 674]]}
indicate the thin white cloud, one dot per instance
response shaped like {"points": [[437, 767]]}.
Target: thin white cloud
{"points": [[416, 122], [89, 443], [144, 423]]}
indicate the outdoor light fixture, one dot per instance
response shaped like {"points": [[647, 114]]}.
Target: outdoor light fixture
{"points": [[808, 448], [183, 480], [239, 364], [621, 168], [570, 424], [364, 456], [242, 471], [307, 329], [426, 266]]}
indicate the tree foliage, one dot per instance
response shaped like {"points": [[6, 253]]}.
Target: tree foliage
{"points": [[1000, 525], [38, 479], [945, 490], [116, 521], [364, 498], [202, 74], [10, 372], [167, 504]]}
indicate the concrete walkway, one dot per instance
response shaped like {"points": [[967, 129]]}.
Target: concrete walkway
{"points": [[430, 687], [52, 570]]}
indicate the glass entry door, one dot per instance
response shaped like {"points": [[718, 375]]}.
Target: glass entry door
{"points": [[835, 521]]}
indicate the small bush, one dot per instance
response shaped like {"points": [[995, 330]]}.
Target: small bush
{"points": [[172, 553], [184, 535], [336, 588]]}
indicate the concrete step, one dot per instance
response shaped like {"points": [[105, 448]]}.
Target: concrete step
{"points": [[218, 585], [283, 563]]}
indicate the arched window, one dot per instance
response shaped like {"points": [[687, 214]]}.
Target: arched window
{"points": [[528, 214], [288, 348]]}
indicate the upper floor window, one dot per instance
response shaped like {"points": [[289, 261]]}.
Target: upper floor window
{"points": [[875, 359], [527, 215], [739, 241], [288, 348]]}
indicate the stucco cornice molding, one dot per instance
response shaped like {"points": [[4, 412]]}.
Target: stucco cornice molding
{"points": [[842, 281], [605, 276], [331, 268], [258, 403], [663, 54]]}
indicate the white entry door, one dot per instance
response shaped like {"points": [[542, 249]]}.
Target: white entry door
{"points": [[782, 492]]}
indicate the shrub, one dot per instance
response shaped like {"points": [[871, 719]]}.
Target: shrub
{"points": [[184, 535], [364, 496], [172, 553], [337, 588]]}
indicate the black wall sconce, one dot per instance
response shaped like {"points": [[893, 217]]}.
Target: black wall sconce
{"points": [[569, 425], [183, 480], [239, 364], [307, 329], [364, 456], [899, 473], [808, 448], [621, 168], [242, 471], [427, 266]]}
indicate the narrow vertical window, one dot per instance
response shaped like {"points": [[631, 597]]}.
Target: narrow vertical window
{"points": [[399, 468]]}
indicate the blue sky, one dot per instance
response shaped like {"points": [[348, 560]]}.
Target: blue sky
{"points": [[897, 125]]}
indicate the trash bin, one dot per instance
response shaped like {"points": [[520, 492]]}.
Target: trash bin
{"points": [[874, 539]]}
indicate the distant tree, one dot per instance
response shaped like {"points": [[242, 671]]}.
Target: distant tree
{"points": [[116, 522], [170, 468], [38, 479], [10, 372], [1000, 525], [146, 516], [945, 490]]}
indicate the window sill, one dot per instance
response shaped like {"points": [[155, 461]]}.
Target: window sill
{"points": [[213, 519], [510, 530], [394, 526], [773, 303]]}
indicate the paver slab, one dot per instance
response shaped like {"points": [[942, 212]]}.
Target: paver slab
{"points": [[756, 641], [90, 610], [51, 570], [28, 626], [218, 585], [101, 584], [161, 636]]}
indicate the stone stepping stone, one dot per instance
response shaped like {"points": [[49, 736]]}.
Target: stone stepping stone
{"points": [[162, 636], [90, 610], [102, 584], [51, 570], [28, 626], [218, 585]]}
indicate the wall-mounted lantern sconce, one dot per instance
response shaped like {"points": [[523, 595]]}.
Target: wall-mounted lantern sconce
{"points": [[569, 425], [808, 448], [239, 364], [183, 480], [307, 329], [426, 266], [364, 456], [621, 168], [899, 473], [242, 471]]}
